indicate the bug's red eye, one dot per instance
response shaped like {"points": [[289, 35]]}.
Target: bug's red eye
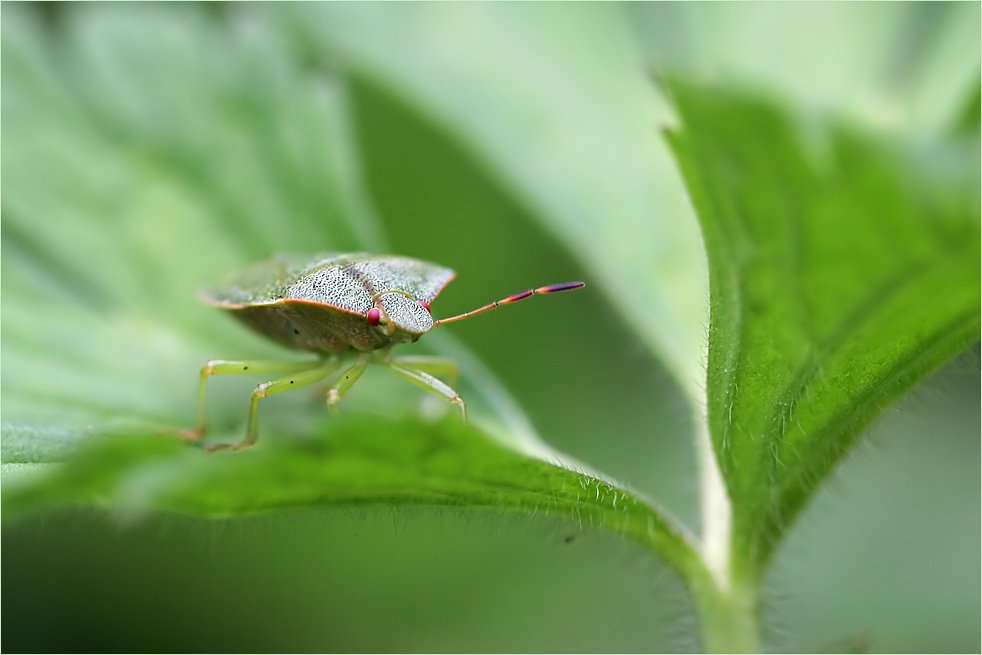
{"points": [[374, 316], [425, 304]]}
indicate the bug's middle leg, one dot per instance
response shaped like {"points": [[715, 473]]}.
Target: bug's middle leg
{"points": [[277, 385]]}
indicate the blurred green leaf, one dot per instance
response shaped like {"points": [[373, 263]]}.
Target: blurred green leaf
{"points": [[970, 121], [150, 151], [556, 103], [124, 197], [908, 66], [843, 271], [147, 152]]}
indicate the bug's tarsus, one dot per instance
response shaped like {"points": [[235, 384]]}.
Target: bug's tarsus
{"points": [[552, 288]]}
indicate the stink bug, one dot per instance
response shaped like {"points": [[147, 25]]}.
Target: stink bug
{"points": [[345, 308]]}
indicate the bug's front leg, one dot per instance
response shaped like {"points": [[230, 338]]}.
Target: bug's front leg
{"points": [[436, 366], [420, 371], [344, 383]]}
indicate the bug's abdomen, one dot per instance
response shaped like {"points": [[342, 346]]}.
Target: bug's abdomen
{"points": [[309, 326], [276, 323]]}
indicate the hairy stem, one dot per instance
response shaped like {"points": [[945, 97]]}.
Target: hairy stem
{"points": [[728, 607]]}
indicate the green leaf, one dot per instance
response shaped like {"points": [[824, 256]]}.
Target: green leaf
{"points": [[843, 270], [352, 461], [970, 120]]}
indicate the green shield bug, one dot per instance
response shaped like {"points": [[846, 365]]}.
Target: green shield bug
{"points": [[348, 309]]}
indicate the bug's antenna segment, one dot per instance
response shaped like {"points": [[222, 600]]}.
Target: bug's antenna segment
{"points": [[552, 288]]}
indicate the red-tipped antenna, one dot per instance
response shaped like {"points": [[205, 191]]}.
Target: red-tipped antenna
{"points": [[553, 288]]}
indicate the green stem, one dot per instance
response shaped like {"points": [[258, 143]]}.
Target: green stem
{"points": [[730, 618]]}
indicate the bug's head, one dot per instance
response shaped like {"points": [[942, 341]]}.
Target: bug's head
{"points": [[396, 314]]}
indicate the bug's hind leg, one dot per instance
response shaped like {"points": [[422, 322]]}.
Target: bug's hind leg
{"points": [[420, 370], [235, 367], [299, 374]]}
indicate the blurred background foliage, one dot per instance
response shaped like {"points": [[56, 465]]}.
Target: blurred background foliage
{"points": [[149, 149]]}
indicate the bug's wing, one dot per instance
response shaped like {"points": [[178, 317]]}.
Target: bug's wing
{"points": [[269, 281], [419, 280], [334, 282]]}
